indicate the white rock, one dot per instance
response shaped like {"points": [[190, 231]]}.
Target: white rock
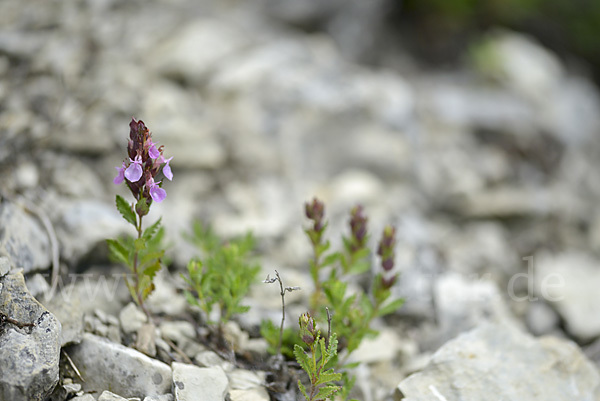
{"points": [[164, 298], [132, 318], [242, 379], [502, 362], [190, 53], [210, 358], [524, 65], [126, 371], [570, 282], [164, 397], [108, 396], [254, 394], [179, 332], [384, 347], [86, 223], [4, 265], [461, 304], [191, 382], [541, 318]]}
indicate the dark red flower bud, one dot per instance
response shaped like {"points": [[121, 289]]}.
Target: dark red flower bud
{"points": [[358, 227], [388, 282]]}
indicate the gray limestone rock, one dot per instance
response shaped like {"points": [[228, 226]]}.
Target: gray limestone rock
{"points": [[30, 355], [4, 266], [23, 239], [501, 361], [69, 313], [190, 380], [108, 396], [104, 364], [132, 318]]}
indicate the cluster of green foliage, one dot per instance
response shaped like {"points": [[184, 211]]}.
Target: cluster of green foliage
{"points": [[221, 277], [142, 255], [352, 312]]}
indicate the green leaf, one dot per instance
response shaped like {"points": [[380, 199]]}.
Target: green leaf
{"points": [[391, 307], [360, 266], [118, 251], [303, 390], [151, 231], [131, 291], [125, 209], [151, 270], [327, 377], [327, 392], [149, 257], [140, 244], [331, 259], [303, 359], [148, 290], [351, 365]]}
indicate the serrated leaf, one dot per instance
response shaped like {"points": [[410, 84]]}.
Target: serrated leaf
{"points": [[152, 269], [327, 392], [328, 377], [152, 230], [118, 251], [148, 290], [125, 209], [303, 359], [302, 390], [149, 257], [391, 307]]}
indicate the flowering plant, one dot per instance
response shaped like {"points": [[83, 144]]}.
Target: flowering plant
{"points": [[143, 254], [321, 350]]}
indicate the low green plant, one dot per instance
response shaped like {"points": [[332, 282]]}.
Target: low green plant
{"points": [[221, 277], [141, 254], [321, 351], [353, 313]]}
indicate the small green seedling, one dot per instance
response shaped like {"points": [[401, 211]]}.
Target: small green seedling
{"points": [[221, 278]]}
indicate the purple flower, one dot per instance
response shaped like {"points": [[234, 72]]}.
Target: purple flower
{"points": [[153, 152], [121, 175], [167, 169], [156, 193], [134, 171]]}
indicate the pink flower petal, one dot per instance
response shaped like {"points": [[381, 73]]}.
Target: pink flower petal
{"points": [[157, 193], [120, 176], [153, 152], [167, 170], [133, 172]]}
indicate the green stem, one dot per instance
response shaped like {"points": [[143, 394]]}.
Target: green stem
{"points": [[138, 292]]}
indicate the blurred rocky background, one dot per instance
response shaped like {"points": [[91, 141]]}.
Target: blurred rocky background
{"points": [[472, 128]]}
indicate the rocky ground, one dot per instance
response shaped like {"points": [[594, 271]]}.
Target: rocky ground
{"points": [[488, 171]]}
